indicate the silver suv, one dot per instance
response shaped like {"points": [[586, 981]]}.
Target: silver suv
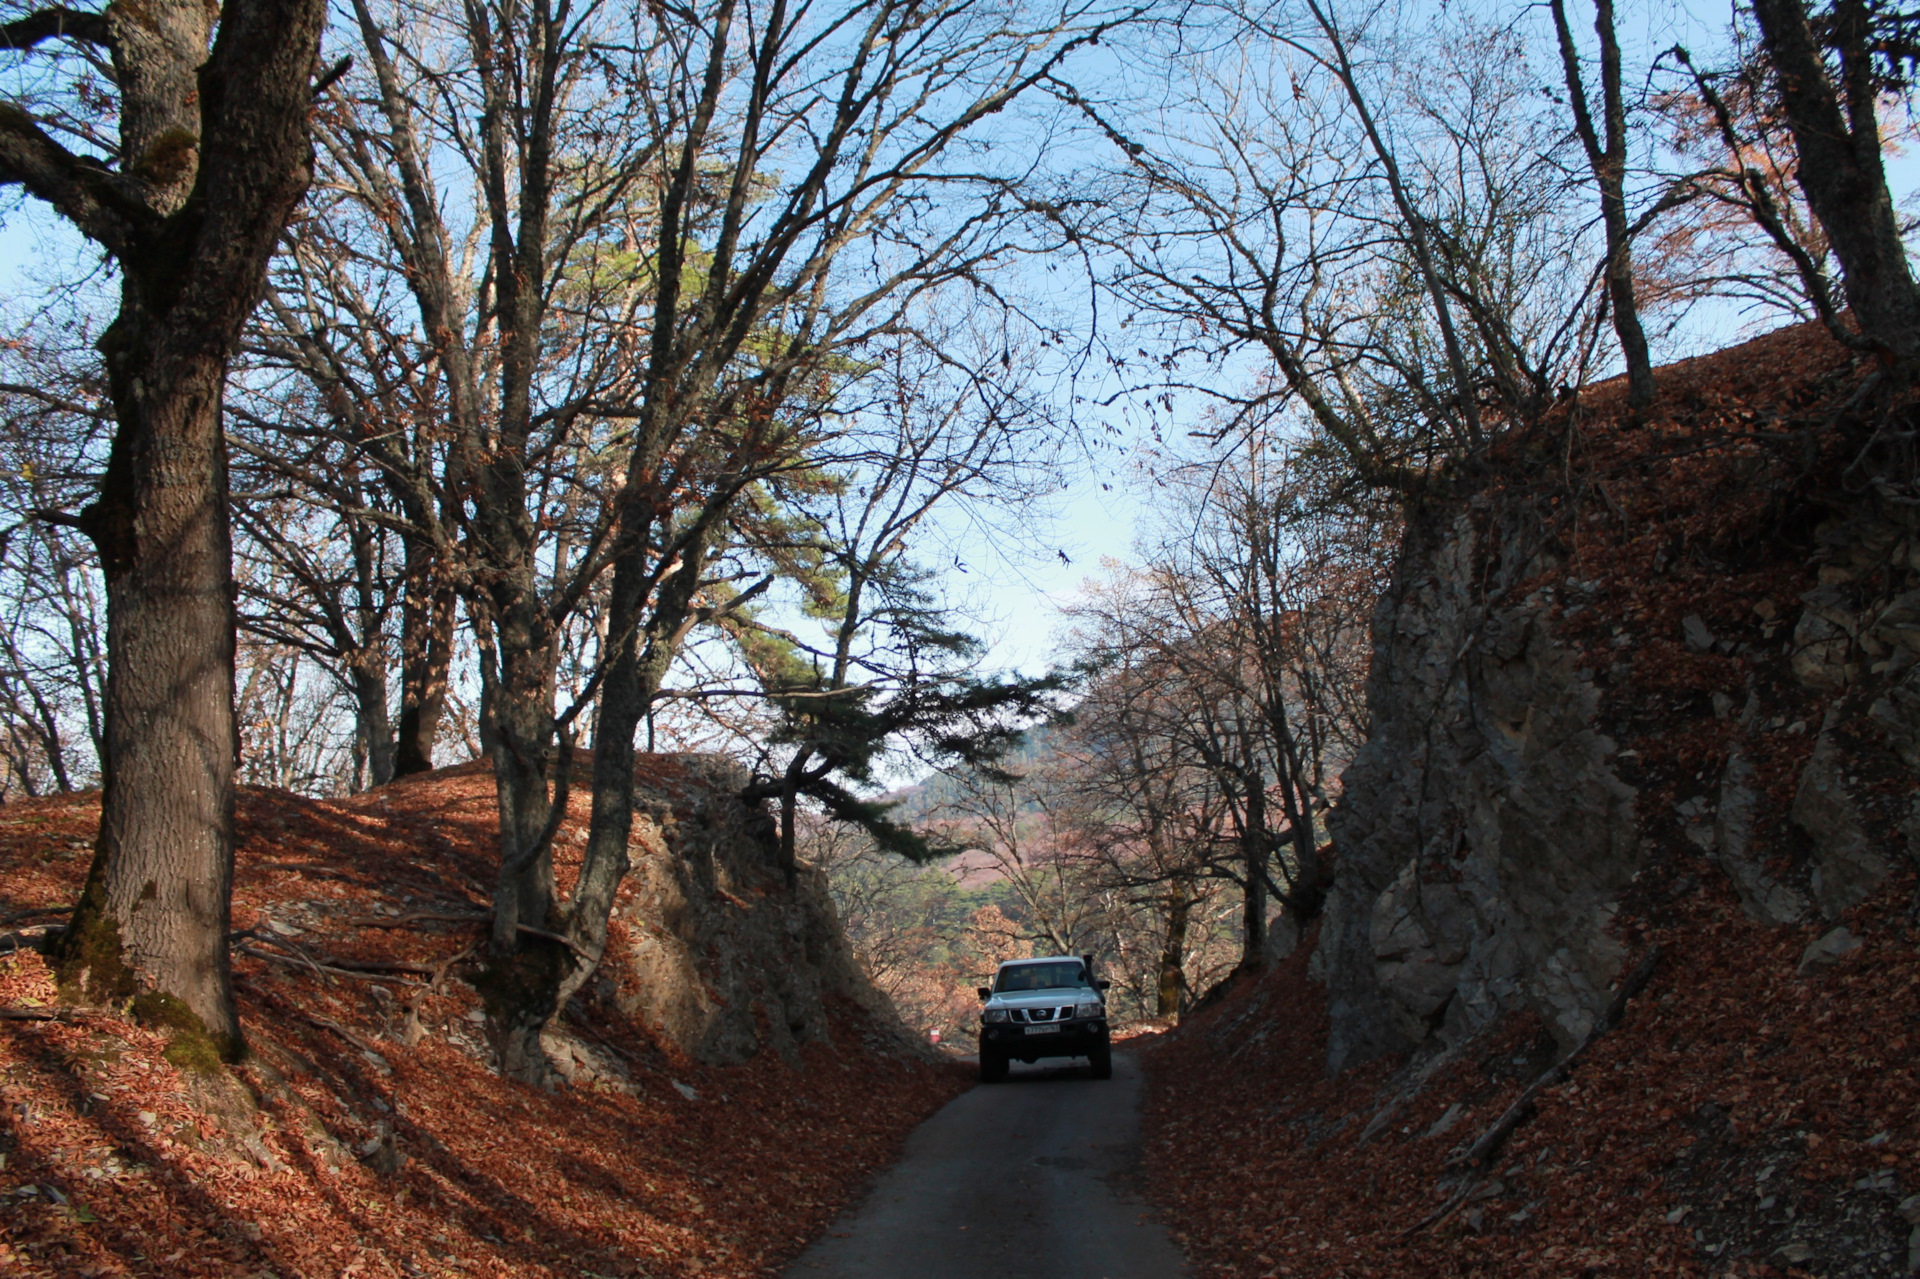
{"points": [[1049, 1007]]}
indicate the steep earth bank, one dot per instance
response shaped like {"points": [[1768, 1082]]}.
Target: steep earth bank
{"points": [[1639, 686], [732, 1079]]}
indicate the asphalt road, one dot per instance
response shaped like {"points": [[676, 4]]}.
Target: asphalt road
{"points": [[1027, 1179]]}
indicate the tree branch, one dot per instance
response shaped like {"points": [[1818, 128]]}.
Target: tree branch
{"points": [[57, 23], [84, 190]]}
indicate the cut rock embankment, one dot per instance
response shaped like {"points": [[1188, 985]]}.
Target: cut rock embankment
{"points": [[1637, 686]]}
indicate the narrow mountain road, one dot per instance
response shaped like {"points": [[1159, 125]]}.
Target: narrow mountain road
{"points": [[1027, 1179]]}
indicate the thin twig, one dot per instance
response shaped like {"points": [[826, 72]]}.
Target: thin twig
{"points": [[334, 961], [377, 965], [31, 1014], [32, 937], [331, 968], [327, 1023], [57, 1014], [568, 942], [401, 921], [1446, 1209], [440, 972]]}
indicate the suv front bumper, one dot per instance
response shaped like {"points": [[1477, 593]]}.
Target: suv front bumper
{"points": [[1061, 1039]]}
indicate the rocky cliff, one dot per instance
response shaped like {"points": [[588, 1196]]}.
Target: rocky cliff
{"points": [[712, 952], [1485, 835], [1673, 655], [1642, 690]]}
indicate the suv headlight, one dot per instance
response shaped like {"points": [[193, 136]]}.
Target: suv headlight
{"points": [[1089, 1010], [994, 1014]]}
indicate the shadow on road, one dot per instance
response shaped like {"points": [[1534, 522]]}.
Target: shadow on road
{"points": [[1046, 1071], [1030, 1178]]}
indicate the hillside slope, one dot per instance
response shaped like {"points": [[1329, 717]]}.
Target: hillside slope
{"points": [[731, 1084], [1638, 691]]}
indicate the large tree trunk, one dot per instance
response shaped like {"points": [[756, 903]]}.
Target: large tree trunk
{"points": [[636, 668], [372, 723], [1306, 886], [154, 914], [1173, 954], [1840, 164], [153, 918], [524, 764], [524, 963], [426, 652], [1253, 848]]}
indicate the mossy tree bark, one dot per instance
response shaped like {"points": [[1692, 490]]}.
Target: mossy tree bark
{"points": [[213, 156]]}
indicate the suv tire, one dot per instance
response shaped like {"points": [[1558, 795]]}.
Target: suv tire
{"points": [[1101, 1059], [993, 1065]]}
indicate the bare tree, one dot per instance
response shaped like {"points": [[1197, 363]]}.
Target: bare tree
{"points": [[1387, 231], [290, 722], [1011, 817], [54, 427], [892, 668], [640, 320], [872, 150], [1148, 813], [1607, 158], [1741, 162], [340, 413], [1238, 650], [316, 581]]}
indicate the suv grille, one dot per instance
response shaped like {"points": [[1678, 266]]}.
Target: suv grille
{"points": [[1063, 1013]]}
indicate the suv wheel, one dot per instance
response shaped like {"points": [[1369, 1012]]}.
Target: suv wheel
{"points": [[1101, 1059], [993, 1065]]}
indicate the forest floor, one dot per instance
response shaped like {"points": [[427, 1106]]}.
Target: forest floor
{"points": [[1744, 1119], [366, 1136]]}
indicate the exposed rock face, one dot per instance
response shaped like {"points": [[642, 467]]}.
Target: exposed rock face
{"points": [[1484, 836], [1859, 637], [1762, 895], [720, 958], [1846, 866]]}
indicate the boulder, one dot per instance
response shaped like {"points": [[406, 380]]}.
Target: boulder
{"points": [[1847, 866], [1827, 950], [1823, 639]]}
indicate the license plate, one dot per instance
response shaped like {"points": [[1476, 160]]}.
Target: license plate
{"points": [[1043, 1030]]}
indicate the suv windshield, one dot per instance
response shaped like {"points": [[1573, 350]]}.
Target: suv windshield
{"points": [[1041, 976]]}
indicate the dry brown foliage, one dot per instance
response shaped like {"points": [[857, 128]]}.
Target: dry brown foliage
{"points": [[391, 1160]]}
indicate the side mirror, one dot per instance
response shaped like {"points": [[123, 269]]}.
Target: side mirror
{"points": [[1104, 984], [982, 991]]}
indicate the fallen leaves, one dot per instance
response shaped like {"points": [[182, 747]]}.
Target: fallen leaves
{"points": [[351, 1150]]}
